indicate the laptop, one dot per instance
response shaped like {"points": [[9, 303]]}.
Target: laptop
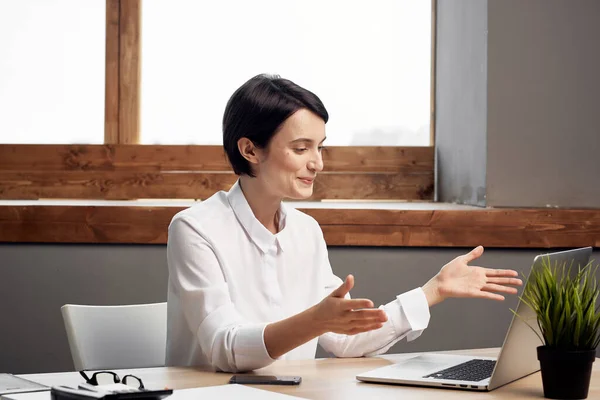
{"points": [[517, 358]]}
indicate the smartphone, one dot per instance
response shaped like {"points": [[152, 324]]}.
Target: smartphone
{"points": [[265, 380]]}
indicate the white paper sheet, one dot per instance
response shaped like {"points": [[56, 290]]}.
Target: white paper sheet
{"points": [[226, 392]]}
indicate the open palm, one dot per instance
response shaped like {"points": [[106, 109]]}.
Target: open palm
{"points": [[458, 279]]}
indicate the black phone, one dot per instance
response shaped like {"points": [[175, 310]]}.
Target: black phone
{"points": [[265, 380]]}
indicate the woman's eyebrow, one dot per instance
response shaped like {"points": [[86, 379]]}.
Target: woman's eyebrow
{"points": [[306, 140]]}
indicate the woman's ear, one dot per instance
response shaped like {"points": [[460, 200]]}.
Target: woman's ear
{"points": [[248, 150]]}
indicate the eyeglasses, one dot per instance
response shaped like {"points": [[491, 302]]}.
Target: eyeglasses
{"points": [[108, 377]]}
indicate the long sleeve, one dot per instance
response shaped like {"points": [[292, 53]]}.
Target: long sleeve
{"points": [[228, 341], [408, 315]]}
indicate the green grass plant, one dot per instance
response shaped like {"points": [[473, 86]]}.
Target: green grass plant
{"points": [[565, 304]]}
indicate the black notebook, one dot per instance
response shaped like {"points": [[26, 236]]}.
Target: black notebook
{"points": [[106, 392]]}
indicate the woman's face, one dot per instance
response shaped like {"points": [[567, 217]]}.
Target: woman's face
{"points": [[291, 161]]}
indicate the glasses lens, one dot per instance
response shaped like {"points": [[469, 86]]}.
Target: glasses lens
{"points": [[133, 381], [105, 378]]}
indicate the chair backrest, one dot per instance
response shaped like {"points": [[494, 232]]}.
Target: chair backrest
{"points": [[110, 337]]}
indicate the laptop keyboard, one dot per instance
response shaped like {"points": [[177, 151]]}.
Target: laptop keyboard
{"points": [[473, 370]]}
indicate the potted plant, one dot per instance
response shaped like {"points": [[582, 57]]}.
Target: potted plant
{"points": [[564, 300]]}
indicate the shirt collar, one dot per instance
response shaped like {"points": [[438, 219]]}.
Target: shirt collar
{"points": [[260, 235], [282, 235]]}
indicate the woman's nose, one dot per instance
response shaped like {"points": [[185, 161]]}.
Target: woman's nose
{"points": [[316, 165]]}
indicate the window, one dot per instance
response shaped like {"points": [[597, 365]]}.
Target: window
{"points": [[52, 71], [369, 61], [124, 170]]}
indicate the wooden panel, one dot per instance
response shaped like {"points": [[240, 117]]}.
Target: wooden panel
{"points": [[85, 224], [373, 217], [378, 159], [487, 217], [417, 236], [129, 71], [114, 185], [493, 227], [118, 185], [413, 160], [111, 93], [373, 186], [156, 171], [502, 228], [112, 158]]}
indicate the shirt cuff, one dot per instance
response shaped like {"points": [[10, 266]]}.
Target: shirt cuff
{"points": [[243, 346], [250, 351], [415, 309]]}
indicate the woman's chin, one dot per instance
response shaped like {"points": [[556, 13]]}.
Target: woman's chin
{"points": [[301, 194]]}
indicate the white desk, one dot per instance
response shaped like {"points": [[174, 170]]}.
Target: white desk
{"points": [[330, 379]]}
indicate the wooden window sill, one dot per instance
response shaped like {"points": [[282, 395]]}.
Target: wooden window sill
{"points": [[344, 223]]}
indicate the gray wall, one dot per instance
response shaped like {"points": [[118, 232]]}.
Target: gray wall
{"points": [[543, 103], [461, 86], [36, 280], [538, 124]]}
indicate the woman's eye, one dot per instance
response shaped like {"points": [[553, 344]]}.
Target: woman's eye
{"points": [[321, 148], [300, 150]]}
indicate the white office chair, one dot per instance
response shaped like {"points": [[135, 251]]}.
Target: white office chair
{"points": [[110, 337]]}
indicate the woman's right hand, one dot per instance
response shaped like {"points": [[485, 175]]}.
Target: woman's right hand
{"points": [[337, 314]]}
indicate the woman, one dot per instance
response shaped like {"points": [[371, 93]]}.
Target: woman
{"points": [[249, 278]]}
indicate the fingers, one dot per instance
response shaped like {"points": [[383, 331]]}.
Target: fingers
{"points": [[505, 281], [344, 287], [490, 272], [490, 296], [491, 287], [353, 322], [373, 315], [473, 254], [355, 304]]}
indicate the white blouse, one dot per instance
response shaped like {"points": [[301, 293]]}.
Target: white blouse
{"points": [[229, 277]]}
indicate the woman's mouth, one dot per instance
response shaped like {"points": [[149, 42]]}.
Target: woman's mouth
{"points": [[307, 181]]}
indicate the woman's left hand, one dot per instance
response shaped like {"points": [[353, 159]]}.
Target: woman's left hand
{"points": [[458, 279]]}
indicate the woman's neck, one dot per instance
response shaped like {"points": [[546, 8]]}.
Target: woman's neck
{"points": [[264, 207]]}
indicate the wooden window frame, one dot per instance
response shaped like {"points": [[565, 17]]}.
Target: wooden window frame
{"points": [[123, 71], [123, 169]]}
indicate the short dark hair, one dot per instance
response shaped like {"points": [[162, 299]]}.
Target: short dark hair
{"points": [[256, 111]]}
